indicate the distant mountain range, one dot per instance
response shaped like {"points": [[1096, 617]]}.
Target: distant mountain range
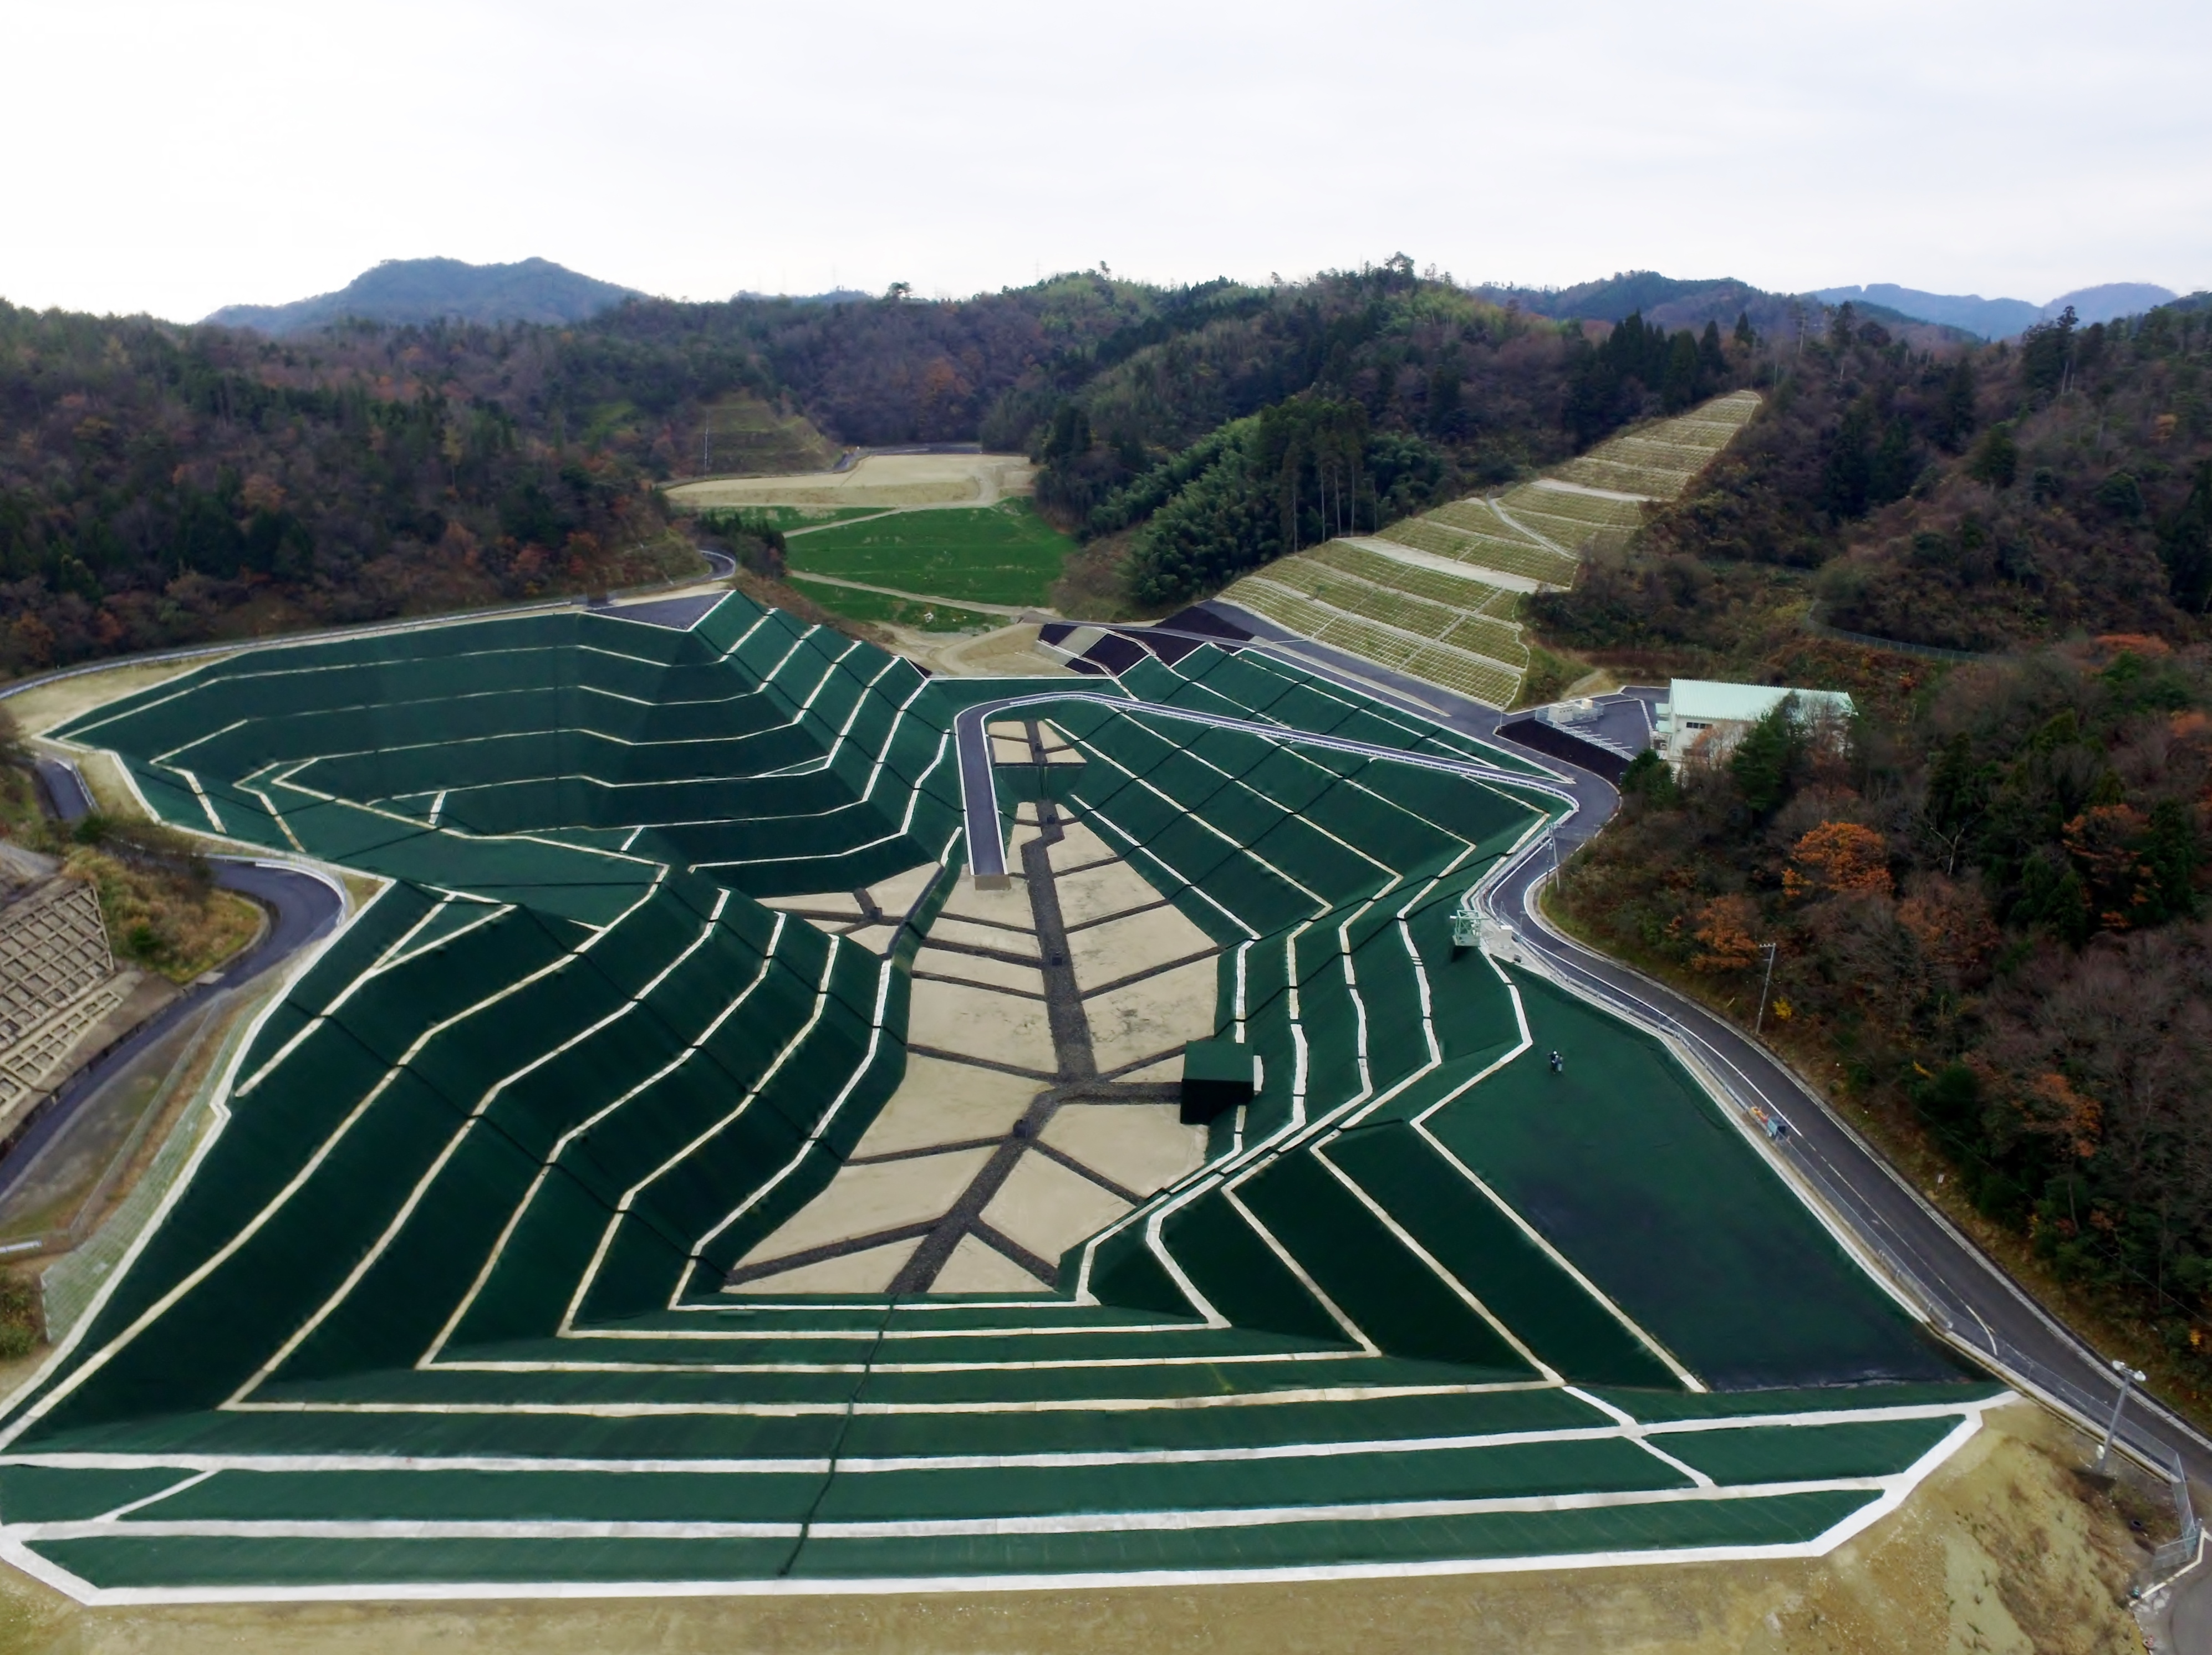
{"points": [[417, 290], [1671, 302], [2000, 318], [402, 290]]}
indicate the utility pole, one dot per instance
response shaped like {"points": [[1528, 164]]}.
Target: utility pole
{"points": [[1768, 949], [2130, 1377]]}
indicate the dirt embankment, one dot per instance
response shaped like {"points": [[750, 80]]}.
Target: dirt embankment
{"points": [[2003, 1550]]}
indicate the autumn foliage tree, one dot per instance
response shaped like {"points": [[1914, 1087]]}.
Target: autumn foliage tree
{"points": [[1986, 921]]}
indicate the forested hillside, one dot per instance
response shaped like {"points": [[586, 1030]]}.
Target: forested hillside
{"points": [[1278, 419], [1976, 499], [165, 485], [1988, 897]]}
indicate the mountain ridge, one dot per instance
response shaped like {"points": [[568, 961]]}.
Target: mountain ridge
{"points": [[417, 290], [2002, 318]]}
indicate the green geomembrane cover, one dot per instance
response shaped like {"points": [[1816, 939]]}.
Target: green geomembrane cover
{"points": [[441, 1302]]}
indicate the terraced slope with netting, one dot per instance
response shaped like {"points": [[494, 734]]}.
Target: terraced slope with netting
{"points": [[1529, 538], [457, 1297]]}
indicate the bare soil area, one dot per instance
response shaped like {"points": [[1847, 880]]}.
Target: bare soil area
{"points": [[2004, 1549], [885, 480], [1007, 653]]}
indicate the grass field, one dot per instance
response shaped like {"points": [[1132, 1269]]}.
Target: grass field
{"points": [[884, 608], [785, 519], [1002, 553]]}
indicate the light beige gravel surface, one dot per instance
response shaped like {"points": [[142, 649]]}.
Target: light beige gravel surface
{"points": [[978, 1023], [862, 1200], [1009, 905], [975, 968], [942, 1102], [870, 1271], [1048, 1209], [1156, 1014], [841, 902], [1102, 953], [1078, 847], [1101, 891], [881, 480], [976, 934], [975, 1268], [1010, 652], [897, 894], [1140, 1146]]}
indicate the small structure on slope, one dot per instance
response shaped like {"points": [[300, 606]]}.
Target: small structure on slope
{"points": [[1708, 717]]}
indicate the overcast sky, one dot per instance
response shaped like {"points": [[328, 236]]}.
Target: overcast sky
{"points": [[172, 157]]}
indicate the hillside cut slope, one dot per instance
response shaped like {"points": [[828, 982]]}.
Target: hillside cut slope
{"points": [[1435, 597], [681, 1174]]}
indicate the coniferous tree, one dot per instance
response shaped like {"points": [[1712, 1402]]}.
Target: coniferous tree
{"points": [[1712, 364], [1894, 466], [1848, 479], [1997, 459], [1955, 417], [2186, 545], [1678, 386]]}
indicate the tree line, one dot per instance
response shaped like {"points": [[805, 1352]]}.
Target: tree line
{"points": [[167, 485], [1974, 499], [1987, 909]]}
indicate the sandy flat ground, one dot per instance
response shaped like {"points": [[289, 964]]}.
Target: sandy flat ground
{"points": [[885, 480], [942, 1102], [975, 968], [1099, 892], [951, 928], [1010, 652], [870, 1271], [980, 1023], [973, 1268], [1156, 1015], [1048, 1209], [1140, 1146], [1008, 905], [1107, 953], [862, 1200]]}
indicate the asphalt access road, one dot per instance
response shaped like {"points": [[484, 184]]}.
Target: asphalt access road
{"points": [[1987, 1309], [65, 790], [302, 907], [2188, 1623]]}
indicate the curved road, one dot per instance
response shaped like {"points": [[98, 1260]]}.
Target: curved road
{"points": [[1965, 1291], [302, 907]]}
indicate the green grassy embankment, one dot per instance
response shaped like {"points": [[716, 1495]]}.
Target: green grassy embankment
{"points": [[1002, 553], [885, 610]]}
